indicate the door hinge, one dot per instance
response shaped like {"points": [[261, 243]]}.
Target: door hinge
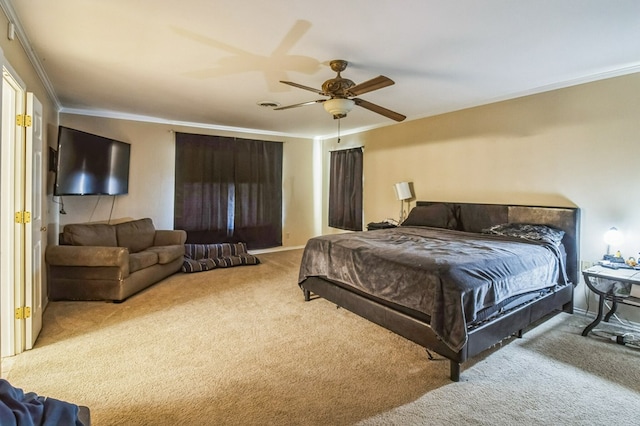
{"points": [[23, 217], [23, 313], [23, 120]]}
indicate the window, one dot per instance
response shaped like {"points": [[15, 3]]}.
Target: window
{"points": [[228, 190]]}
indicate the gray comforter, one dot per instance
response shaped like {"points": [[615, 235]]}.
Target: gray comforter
{"points": [[448, 275]]}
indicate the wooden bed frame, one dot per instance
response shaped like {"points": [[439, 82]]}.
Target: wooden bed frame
{"points": [[487, 334]]}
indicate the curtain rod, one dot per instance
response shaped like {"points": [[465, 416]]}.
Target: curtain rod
{"points": [[347, 149]]}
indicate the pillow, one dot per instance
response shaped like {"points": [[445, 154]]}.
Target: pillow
{"points": [[476, 217], [136, 235], [434, 215], [214, 251], [205, 257], [527, 231]]}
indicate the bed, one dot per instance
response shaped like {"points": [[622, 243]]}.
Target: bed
{"points": [[455, 278]]}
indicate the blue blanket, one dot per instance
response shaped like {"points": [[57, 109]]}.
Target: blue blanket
{"points": [[27, 409]]}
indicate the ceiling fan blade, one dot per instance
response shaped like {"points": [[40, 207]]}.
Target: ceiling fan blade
{"points": [[299, 105], [300, 86], [293, 36], [380, 110], [370, 85]]}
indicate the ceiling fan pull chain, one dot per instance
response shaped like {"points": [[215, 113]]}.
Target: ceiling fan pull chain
{"points": [[338, 130]]}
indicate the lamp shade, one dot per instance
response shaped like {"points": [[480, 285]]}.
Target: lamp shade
{"points": [[613, 237], [338, 106], [403, 190]]}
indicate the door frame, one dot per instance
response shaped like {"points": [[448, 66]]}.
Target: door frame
{"points": [[20, 195], [13, 94]]}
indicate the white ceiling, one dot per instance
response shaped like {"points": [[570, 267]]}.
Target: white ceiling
{"points": [[211, 61]]}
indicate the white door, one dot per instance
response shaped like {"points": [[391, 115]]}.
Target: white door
{"points": [[34, 189], [21, 217]]}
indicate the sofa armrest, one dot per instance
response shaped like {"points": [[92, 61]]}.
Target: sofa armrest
{"points": [[88, 256], [169, 237]]}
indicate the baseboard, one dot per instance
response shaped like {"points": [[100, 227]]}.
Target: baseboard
{"points": [[275, 249]]}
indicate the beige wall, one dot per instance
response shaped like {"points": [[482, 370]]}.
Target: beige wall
{"points": [[573, 147], [151, 176]]}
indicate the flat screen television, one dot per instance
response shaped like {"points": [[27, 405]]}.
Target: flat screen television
{"points": [[89, 164]]}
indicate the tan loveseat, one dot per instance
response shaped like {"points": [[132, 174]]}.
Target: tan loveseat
{"points": [[111, 262]]}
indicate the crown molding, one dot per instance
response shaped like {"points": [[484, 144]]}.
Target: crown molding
{"points": [[589, 78], [148, 119], [21, 35]]}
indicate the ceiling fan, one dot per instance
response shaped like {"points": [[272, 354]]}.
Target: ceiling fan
{"points": [[342, 92]]}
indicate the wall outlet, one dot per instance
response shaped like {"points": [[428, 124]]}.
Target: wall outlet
{"points": [[586, 264]]}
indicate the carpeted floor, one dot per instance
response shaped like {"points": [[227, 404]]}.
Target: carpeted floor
{"points": [[240, 346]]}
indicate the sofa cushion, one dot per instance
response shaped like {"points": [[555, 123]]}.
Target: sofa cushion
{"points": [[141, 260], [136, 235], [95, 234], [167, 254]]}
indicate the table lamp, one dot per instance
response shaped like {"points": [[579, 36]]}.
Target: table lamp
{"points": [[403, 193], [613, 237]]}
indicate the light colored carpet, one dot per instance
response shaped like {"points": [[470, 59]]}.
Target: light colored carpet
{"points": [[240, 346]]}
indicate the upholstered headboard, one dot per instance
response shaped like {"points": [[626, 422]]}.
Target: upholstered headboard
{"points": [[471, 217]]}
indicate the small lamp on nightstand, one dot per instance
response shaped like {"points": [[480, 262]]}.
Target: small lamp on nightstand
{"points": [[403, 193], [613, 237]]}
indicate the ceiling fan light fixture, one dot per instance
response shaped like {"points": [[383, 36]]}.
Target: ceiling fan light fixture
{"points": [[342, 92], [338, 106]]}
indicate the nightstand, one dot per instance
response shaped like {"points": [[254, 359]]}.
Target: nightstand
{"points": [[615, 285]]}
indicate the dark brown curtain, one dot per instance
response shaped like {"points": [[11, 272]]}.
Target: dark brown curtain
{"points": [[228, 190], [345, 190]]}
